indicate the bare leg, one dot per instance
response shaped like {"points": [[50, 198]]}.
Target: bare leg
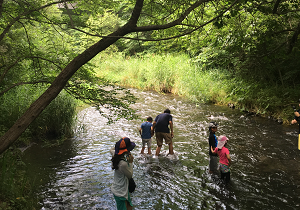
{"points": [[149, 151], [142, 151], [128, 205], [171, 149], [157, 150]]}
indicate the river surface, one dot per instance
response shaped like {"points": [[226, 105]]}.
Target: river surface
{"points": [[265, 173]]}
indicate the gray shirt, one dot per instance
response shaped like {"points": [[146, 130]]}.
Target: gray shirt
{"points": [[121, 178]]}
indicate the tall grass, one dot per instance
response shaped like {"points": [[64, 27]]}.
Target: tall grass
{"points": [[55, 121], [180, 74], [175, 74]]}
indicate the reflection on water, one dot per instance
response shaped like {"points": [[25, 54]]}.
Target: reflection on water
{"points": [[265, 171]]}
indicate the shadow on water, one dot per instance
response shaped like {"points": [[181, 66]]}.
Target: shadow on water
{"points": [[264, 174]]}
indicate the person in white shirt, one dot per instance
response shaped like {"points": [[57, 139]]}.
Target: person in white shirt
{"points": [[122, 164]]}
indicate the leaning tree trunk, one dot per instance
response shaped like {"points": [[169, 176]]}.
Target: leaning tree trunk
{"points": [[61, 80]]}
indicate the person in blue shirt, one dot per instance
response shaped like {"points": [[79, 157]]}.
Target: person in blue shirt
{"points": [[146, 131]]}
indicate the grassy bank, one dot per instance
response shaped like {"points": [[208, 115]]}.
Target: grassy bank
{"points": [[179, 74]]}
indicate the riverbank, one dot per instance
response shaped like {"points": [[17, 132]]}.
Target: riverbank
{"points": [[181, 75]]}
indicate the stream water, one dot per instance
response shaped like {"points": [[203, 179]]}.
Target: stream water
{"points": [[265, 173]]}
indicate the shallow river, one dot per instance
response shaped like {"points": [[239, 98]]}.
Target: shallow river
{"points": [[265, 173]]}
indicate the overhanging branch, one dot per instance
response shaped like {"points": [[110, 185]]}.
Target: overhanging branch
{"points": [[169, 25], [13, 21], [23, 83], [294, 39]]}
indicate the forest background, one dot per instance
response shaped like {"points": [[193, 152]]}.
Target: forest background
{"points": [[242, 52]]}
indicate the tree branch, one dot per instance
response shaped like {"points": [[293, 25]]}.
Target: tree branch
{"points": [[19, 59], [14, 20], [169, 25], [22, 83], [276, 6], [8, 68], [175, 22], [293, 40], [1, 2], [69, 14]]}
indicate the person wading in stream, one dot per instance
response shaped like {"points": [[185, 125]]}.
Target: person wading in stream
{"points": [[146, 131], [162, 131], [225, 160], [297, 120], [213, 142], [122, 164]]}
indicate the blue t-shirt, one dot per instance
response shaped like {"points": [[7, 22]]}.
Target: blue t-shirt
{"points": [[146, 130], [162, 122]]}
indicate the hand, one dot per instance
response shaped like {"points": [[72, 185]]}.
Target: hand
{"points": [[130, 158], [172, 134]]}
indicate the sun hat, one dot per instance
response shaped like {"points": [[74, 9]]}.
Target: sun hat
{"points": [[222, 140], [213, 125], [124, 145]]}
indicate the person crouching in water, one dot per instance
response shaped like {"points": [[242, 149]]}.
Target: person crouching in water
{"points": [[225, 160], [122, 164]]}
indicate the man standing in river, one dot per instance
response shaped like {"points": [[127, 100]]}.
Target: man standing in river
{"points": [[162, 131]]}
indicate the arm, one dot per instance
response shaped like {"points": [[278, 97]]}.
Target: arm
{"points": [[153, 125], [294, 121], [140, 130], [171, 127], [229, 159], [212, 150], [152, 131], [126, 169]]}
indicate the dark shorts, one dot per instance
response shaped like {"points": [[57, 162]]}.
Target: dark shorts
{"points": [[160, 136], [213, 163]]}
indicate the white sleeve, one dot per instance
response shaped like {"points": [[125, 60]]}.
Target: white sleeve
{"points": [[126, 168], [112, 151]]}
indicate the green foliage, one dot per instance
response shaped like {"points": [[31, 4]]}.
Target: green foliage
{"points": [[16, 191], [55, 121]]}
